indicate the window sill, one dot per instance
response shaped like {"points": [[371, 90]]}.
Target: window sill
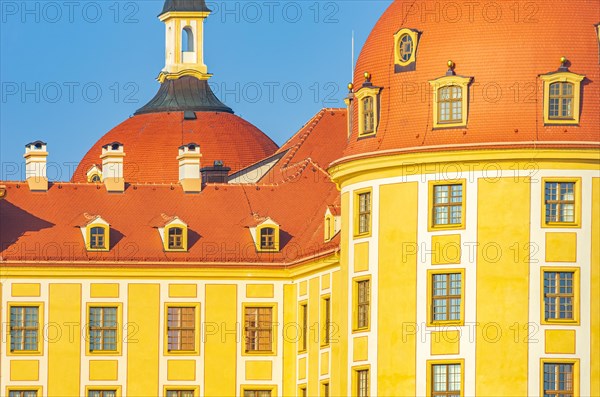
{"points": [[103, 353], [565, 322], [441, 228], [24, 353], [448, 126], [182, 353], [258, 353], [561, 225], [447, 323]]}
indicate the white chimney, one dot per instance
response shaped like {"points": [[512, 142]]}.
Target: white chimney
{"points": [[35, 166], [112, 167], [189, 168]]}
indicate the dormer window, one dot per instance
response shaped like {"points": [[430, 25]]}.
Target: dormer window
{"points": [[561, 101], [405, 50], [95, 231], [368, 107], [173, 233], [176, 238], [562, 92], [368, 116], [97, 238], [267, 239], [450, 104], [332, 222], [450, 99], [265, 234]]}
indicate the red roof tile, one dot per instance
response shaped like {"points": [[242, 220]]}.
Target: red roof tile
{"points": [[151, 143], [504, 52], [38, 226]]}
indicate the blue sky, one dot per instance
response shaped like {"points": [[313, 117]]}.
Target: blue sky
{"points": [[72, 70]]}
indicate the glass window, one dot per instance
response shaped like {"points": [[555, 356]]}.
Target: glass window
{"points": [[560, 202], [102, 393], [558, 380], [450, 104], [327, 325], [176, 238], [362, 383], [258, 326], [368, 104], [22, 393], [446, 380], [446, 297], [97, 238], [267, 238], [406, 47], [362, 301], [561, 101], [364, 212], [257, 393], [181, 328], [24, 325], [558, 295], [447, 204], [180, 393], [304, 320], [103, 329]]}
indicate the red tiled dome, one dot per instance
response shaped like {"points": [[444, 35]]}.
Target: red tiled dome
{"points": [[504, 46], [151, 143]]}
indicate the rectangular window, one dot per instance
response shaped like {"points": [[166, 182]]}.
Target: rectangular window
{"points": [[362, 383], [102, 393], [22, 393], [446, 297], [558, 380], [304, 325], [364, 213], [450, 104], [103, 329], [175, 238], [363, 302], [325, 390], [327, 321], [560, 202], [97, 238], [257, 393], [368, 115], [24, 328], [447, 204], [181, 328], [561, 101], [559, 295], [258, 327], [180, 393], [446, 380], [267, 238], [302, 391]]}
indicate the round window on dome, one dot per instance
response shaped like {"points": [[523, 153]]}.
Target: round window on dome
{"points": [[405, 47], [405, 50]]}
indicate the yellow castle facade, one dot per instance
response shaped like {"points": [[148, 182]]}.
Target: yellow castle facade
{"points": [[392, 248]]}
